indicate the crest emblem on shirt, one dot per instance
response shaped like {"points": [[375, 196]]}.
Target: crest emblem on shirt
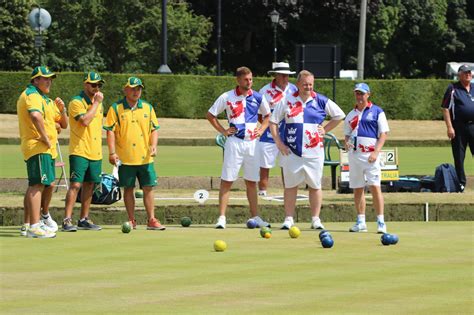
{"points": [[236, 108], [370, 116], [252, 134], [295, 109], [313, 139], [275, 95]]}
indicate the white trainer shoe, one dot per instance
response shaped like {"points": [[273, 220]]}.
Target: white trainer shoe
{"points": [[288, 223], [221, 222], [358, 227], [262, 193], [24, 229], [317, 225], [381, 227], [39, 232], [46, 228], [50, 223]]}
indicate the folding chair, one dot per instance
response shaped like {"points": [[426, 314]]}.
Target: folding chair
{"points": [[62, 165]]}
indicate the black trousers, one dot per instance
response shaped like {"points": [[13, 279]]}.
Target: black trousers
{"points": [[464, 135]]}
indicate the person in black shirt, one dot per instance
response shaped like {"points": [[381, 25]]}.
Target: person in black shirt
{"points": [[458, 112]]}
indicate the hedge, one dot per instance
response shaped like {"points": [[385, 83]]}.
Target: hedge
{"points": [[189, 96]]}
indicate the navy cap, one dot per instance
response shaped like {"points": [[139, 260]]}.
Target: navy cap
{"points": [[465, 68]]}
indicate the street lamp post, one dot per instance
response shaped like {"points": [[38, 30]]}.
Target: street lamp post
{"points": [[275, 17], [40, 20], [164, 69]]}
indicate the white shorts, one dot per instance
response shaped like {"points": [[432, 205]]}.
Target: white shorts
{"points": [[238, 153], [268, 154], [361, 172], [297, 170]]}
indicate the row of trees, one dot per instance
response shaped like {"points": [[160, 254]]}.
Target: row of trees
{"points": [[409, 38]]}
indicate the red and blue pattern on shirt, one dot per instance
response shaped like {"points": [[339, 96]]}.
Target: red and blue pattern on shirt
{"points": [[242, 111], [274, 95], [365, 127], [302, 120]]}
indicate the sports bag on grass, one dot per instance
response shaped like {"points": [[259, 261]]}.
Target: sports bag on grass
{"points": [[105, 193], [446, 179]]}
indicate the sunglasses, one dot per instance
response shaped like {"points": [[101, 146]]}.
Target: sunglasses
{"points": [[94, 85]]}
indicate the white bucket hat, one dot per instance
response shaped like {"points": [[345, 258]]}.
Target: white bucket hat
{"points": [[281, 67]]}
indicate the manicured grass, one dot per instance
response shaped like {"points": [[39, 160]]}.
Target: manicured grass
{"points": [[207, 161], [177, 271]]}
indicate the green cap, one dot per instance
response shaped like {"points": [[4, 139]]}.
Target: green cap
{"points": [[134, 82], [93, 77], [42, 71]]}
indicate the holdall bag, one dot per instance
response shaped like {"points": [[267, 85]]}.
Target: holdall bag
{"points": [[446, 179], [106, 192]]}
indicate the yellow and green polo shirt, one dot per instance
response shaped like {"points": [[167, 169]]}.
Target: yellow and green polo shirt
{"points": [[31, 100], [132, 128], [85, 141]]}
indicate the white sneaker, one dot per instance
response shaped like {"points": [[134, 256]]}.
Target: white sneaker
{"points": [[262, 193], [24, 229], [317, 225], [358, 227], [38, 232], [288, 223], [381, 227], [221, 222], [50, 223], [46, 228]]}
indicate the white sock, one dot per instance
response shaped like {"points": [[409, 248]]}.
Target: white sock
{"points": [[27, 225], [34, 226], [222, 217], [380, 218], [45, 216], [315, 219], [361, 218], [290, 218]]}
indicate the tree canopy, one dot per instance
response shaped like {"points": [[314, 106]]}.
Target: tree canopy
{"points": [[410, 38]]}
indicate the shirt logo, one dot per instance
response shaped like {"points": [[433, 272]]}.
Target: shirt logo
{"points": [[275, 95], [354, 122], [252, 134], [295, 109], [370, 116], [313, 139], [292, 131], [236, 108]]}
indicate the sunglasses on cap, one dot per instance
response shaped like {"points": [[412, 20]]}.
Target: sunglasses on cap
{"points": [[94, 85]]}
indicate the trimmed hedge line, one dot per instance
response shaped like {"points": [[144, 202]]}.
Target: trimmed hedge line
{"points": [[190, 96]]}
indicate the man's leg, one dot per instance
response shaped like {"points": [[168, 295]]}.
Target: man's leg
{"points": [[263, 183], [33, 201], [86, 198], [251, 188], [315, 201], [290, 201], [359, 201], [71, 197], [149, 201], [458, 146], [224, 192], [129, 200], [26, 214], [46, 199], [378, 203]]}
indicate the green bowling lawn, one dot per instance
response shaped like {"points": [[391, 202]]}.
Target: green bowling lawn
{"points": [[430, 271], [207, 161]]}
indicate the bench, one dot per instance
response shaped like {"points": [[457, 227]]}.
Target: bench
{"points": [[329, 141]]}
